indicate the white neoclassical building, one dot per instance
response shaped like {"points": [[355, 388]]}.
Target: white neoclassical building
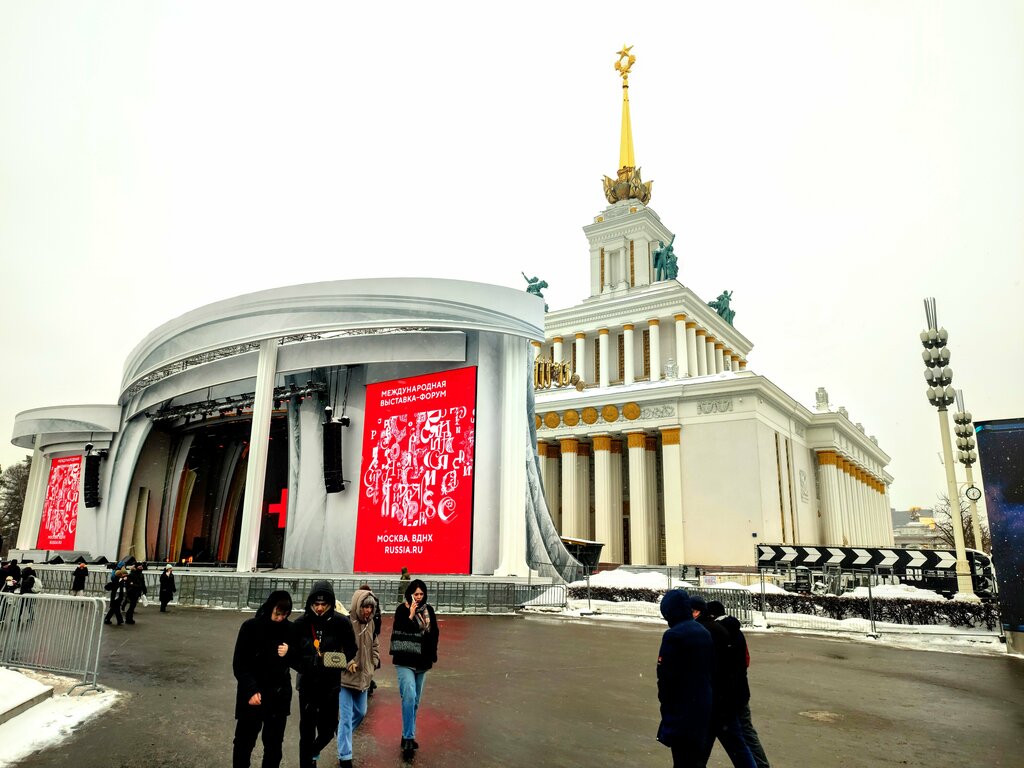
{"points": [[655, 437]]}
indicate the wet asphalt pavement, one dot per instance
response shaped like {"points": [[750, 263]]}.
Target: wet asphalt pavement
{"points": [[548, 691]]}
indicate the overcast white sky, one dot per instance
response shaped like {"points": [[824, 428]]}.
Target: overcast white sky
{"points": [[831, 163]]}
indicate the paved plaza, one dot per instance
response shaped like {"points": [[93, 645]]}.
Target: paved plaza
{"points": [[550, 691]]}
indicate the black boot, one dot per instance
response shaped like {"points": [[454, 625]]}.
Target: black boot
{"points": [[408, 750]]}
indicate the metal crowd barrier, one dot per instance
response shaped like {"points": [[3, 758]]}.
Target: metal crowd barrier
{"points": [[737, 602], [52, 633]]}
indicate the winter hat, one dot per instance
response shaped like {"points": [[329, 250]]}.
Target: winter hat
{"points": [[698, 603], [715, 609]]}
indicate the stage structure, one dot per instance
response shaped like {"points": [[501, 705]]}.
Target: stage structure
{"points": [[349, 426], [656, 439]]}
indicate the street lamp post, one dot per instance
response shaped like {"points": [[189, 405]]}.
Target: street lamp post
{"points": [[968, 456], [939, 376]]}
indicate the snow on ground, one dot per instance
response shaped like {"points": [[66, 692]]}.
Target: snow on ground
{"points": [[49, 722]]}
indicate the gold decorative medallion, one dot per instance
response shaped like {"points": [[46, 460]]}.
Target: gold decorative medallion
{"points": [[590, 415], [536, 421], [551, 420], [610, 413], [571, 418], [631, 411]]}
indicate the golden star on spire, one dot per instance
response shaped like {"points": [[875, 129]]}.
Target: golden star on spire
{"points": [[623, 69]]}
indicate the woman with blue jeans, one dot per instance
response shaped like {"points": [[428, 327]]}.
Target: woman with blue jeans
{"points": [[413, 652]]}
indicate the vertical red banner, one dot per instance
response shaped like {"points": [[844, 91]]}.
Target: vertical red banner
{"points": [[60, 510], [416, 491]]}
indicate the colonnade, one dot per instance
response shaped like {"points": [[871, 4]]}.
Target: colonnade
{"points": [[654, 513], [855, 504], [696, 350]]}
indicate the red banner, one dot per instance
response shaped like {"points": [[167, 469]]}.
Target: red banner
{"points": [[60, 510], [416, 494]]}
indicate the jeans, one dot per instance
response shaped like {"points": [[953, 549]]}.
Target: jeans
{"points": [[410, 686], [352, 706], [750, 736], [730, 736]]}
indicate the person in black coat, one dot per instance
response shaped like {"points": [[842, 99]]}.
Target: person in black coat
{"points": [[412, 658], [167, 588], [264, 696], [78, 578], [136, 589], [118, 589], [727, 689], [685, 663], [740, 660], [319, 630]]}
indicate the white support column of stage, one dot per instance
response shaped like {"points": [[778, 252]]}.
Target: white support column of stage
{"points": [[607, 525], [35, 497], [553, 486], [672, 482], [681, 362], [691, 350], [581, 357], [603, 346], [719, 357], [654, 332], [511, 519], [556, 349], [651, 485], [640, 549], [583, 490], [616, 472], [259, 449], [701, 351], [570, 487], [709, 351], [629, 358]]}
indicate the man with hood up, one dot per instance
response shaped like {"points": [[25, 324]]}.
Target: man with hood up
{"points": [[319, 630], [685, 663], [356, 679], [264, 696]]}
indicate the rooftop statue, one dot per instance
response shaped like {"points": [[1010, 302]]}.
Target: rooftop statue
{"points": [[721, 306], [665, 267], [534, 286]]}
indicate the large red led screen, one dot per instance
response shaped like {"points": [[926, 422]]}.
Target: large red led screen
{"points": [[60, 510], [416, 494]]}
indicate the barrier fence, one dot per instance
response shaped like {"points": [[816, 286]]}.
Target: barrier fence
{"points": [[613, 601], [52, 633]]}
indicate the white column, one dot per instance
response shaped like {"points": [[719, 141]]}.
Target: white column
{"points": [[826, 467], [735, 363], [672, 481], [581, 356], [556, 349], [628, 364], [570, 488], [512, 482], [888, 517], [709, 351], [607, 513], [681, 360], [701, 351], [616, 473], [35, 497], [719, 357], [691, 350], [858, 497], [536, 349], [259, 449], [651, 486], [583, 490], [603, 346], [542, 456], [553, 487], [654, 332], [639, 512], [849, 510]]}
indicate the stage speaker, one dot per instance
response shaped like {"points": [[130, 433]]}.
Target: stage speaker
{"points": [[92, 481], [333, 478]]}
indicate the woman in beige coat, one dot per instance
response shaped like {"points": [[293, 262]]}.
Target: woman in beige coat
{"points": [[355, 681]]}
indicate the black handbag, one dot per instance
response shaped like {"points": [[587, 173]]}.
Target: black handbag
{"points": [[410, 643]]}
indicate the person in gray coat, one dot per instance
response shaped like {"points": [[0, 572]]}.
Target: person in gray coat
{"points": [[356, 678]]}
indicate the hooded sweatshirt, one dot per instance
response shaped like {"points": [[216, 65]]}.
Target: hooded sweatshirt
{"points": [[257, 666], [367, 644], [331, 632], [685, 664]]}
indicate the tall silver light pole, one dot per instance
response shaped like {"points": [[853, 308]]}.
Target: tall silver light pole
{"points": [[939, 376], [968, 457]]}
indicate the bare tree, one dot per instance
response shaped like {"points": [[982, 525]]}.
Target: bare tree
{"points": [[13, 486], [944, 525]]}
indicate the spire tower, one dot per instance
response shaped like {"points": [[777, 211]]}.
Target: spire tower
{"points": [[627, 185]]}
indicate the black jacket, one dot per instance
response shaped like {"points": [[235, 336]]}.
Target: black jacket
{"points": [[723, 675], [118, 590], [28, 581], [428, 658], [685, 663], [334, 633], [136, 584], [78, 579], [739, 658], [167, 585], [258, 668]]}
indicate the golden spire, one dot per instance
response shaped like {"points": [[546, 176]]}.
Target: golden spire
{"points": [[628, 184]]}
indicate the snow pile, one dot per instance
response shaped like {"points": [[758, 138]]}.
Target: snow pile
{"points": [[896, 592], [621, 578], [49, 722]]}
